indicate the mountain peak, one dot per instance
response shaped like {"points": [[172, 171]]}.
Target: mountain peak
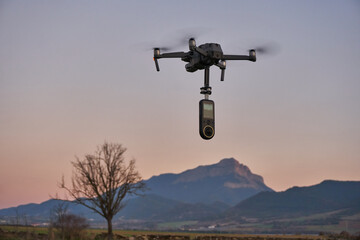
{"points": [[229, 161], [228, 181], [227, 166], [233, 165]]}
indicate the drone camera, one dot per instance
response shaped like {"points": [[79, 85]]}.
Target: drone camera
{"points": [[207, 119]]}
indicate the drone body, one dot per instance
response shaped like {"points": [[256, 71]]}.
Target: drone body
{"points": [[197, 61], [203, 57]]}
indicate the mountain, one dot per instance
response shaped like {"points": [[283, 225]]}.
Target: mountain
{"points": [[42, 211], [146, 208], [328, 196], [194, 194], [328, 205], [227, 181]]}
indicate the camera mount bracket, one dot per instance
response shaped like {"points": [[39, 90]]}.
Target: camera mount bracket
{"points": [[206, 89]]}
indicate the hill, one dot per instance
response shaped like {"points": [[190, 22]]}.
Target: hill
{"points": [[227, 181], [327, 196], [157, 208]]}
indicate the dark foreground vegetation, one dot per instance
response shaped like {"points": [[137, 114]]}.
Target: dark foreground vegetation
{"points": [[37, 233]]}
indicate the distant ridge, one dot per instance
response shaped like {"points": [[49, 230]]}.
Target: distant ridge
{"points": [[227, 181], [329, 195]]}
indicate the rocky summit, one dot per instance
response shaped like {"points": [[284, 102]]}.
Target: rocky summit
{"points": [[227, 181]]}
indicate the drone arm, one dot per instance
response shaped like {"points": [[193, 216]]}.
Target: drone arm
{"points": [[157, 55], [172, 55], [236, 57], [250, 57]]}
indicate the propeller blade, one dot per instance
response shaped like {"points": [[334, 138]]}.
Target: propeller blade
{"points": [[180, 38], [269, 49], [176, 45], [163, 48]]}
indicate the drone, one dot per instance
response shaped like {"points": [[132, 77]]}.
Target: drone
{"points": [[202, 57]]}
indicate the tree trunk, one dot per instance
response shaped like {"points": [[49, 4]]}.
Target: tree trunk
{"points": [[110, 232]]}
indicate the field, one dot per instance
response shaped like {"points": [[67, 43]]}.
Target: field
{"points": [[19, 233]]}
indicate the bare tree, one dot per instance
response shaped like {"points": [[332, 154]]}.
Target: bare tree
{"points": [[17, 218], [58, 219], [102, 180]]}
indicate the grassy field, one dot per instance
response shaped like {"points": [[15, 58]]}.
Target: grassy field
{"points": [[175, 225], [20, 232]]}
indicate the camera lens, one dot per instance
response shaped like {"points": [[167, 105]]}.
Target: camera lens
{"points": [[208, 131]]}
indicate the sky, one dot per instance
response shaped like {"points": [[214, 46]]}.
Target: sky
{"points": [[74, 74]]}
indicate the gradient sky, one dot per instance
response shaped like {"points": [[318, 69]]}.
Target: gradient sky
{"points": [[76, 73]]}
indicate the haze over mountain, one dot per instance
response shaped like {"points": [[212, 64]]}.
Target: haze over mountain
{"points": [[227, 181]]}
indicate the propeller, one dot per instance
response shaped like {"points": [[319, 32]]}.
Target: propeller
{"points": [[184, 40], [163, 48], [181, 43], [268, 49], [180, 39], [182, 36]]}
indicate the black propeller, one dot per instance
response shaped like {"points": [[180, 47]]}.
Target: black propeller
{"points": [[180, 38], [163, 48], [268, 49], [178, 44]]}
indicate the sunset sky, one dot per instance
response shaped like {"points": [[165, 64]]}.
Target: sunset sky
{"points": [[74, 74]]}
